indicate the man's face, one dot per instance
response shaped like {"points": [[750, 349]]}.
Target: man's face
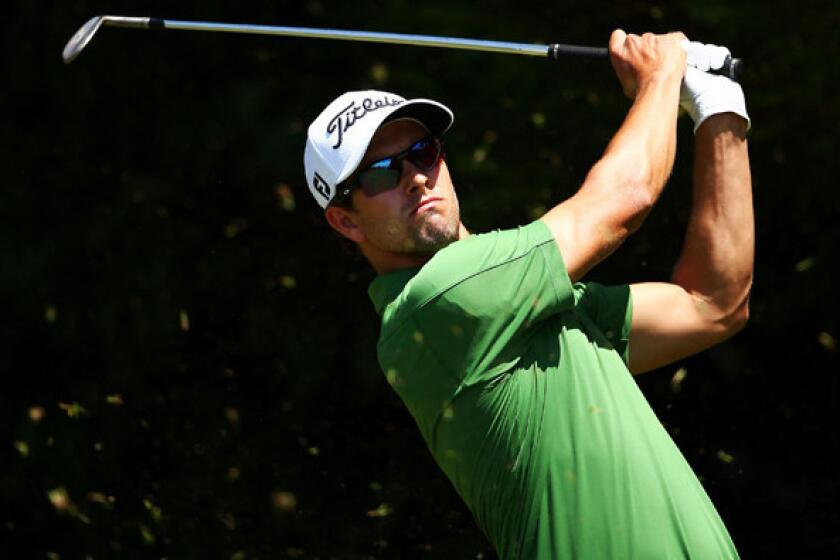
{"points": [[420, 215]]}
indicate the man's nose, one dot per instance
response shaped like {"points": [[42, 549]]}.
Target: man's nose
{"points": [[415, 177]]}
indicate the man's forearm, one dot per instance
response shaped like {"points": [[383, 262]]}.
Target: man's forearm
{"points": [[621, 188], [716, 263], [646, 142], [638, 160]]}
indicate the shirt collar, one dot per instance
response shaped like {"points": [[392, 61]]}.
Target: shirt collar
{"points": [[384, 289]]}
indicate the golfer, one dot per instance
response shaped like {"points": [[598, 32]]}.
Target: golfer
{"points": [[516, 370]]}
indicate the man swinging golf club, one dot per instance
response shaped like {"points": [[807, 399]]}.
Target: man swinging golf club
{"points": [[516, 372]]}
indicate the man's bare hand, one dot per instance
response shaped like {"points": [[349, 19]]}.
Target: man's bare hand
{"points": [[640, 59]]}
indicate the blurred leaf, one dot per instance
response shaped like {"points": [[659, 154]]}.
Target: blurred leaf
{"points": [[827, 341], [383, 510], [725, 457], [37, 413], [284, 501], [73, 410], [23, 448]]}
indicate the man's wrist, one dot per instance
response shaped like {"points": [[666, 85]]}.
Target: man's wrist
{"points": [[721, 123], [660, 79], [703, 95], [659, 89]]}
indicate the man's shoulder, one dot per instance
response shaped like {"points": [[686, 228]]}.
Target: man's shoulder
{"points": [[476, 254], [471, 273]]}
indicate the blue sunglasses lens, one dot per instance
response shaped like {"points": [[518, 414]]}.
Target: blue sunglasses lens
{"points": [[385, 174], [379, 179]]}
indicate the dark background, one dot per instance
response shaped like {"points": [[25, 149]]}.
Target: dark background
{"points": [[188, 354]]}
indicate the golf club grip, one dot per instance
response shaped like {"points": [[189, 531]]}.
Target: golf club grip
{"points": [[732, 67]]}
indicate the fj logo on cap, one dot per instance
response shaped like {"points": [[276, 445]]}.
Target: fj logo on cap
{"points": [[321, 186], [348, 116]]}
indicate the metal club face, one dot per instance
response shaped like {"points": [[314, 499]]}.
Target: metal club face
{"points": [[81, 38]]}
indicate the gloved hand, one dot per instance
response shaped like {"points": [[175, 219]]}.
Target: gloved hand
{"points": [[702, 94]]}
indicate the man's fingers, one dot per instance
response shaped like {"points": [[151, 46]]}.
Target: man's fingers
{"points": [[617, 40], [636, 58], [618, 47], [705, 57]]}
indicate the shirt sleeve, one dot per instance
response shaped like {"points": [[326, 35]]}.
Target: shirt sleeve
{"points": [[610, 308]]}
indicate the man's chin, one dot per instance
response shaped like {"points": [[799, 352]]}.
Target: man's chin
{"points": [[431, 240]]}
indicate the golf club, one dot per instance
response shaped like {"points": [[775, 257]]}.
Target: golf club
{"points": [[731, 68]]}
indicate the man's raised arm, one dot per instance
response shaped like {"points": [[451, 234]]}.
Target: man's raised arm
{"points": [[624, 184], [707, 299]]}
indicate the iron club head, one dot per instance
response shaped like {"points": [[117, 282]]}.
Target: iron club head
{"points": [[81, 38]]}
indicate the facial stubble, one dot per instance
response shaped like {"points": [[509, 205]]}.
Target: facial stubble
{"points": [[426, 234]]}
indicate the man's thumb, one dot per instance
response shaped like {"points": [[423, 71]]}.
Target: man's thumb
{"points": [[617, 40]]}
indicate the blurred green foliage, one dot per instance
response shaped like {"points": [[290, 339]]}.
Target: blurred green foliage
{"points": [[188, 354]]}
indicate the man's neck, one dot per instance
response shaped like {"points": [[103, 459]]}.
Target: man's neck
{"points": [[384, 262]]}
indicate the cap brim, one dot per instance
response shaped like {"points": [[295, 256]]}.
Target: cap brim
{"points": [[435, 116]]}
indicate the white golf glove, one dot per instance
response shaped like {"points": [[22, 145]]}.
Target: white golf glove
{"points": [[702, 94]]}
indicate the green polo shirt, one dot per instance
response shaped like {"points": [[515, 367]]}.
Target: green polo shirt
{"points": [[519, 384]]}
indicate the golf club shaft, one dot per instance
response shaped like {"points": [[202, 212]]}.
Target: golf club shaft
{"points": [[555, 51], [362, 36]]}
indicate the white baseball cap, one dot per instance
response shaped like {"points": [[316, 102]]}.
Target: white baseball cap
{"points": [[338, 138]]}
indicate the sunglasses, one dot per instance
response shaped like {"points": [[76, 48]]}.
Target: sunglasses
{"points": [[384, 174]]}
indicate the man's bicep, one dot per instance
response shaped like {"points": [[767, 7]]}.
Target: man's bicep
{"points": [[592, 224], [578, 251], [669, 324]]}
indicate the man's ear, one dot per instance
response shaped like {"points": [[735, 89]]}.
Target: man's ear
{"points": [[344, 222]]}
